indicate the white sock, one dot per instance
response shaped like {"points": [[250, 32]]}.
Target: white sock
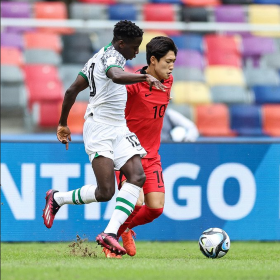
{"points": [[126, 200], [84, 195]]}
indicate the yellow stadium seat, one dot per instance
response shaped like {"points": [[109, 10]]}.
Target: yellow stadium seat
{"points": [[265, 14], [224, 75], [147, 37], [190, 93]]}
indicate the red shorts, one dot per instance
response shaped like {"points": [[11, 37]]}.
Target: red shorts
{"points": [[154, 178]]}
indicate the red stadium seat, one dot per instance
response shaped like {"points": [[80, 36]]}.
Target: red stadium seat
{"points": [[52, 10], [213, 120], [221, 43], [76, 117], [107, 2], [271, 119], [44, 91], [46, 113], [11, 56], [201, 3], [160, 12], [216, 57], [37, 72], [40, 40]]}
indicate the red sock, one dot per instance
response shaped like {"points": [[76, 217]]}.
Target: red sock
{"points": [[124, 226], [145, 216]]}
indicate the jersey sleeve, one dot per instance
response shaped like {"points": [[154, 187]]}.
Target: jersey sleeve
{"points": [[87, 71], [112, 58]]}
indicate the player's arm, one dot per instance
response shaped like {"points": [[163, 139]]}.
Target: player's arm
{"points": [[63, 132], [119, 76]]}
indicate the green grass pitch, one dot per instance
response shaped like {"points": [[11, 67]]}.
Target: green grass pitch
{"points": [[154, 260]]}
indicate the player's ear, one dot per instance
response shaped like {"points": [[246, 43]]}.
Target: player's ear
{"points": [[121, 44], [153, 60]]}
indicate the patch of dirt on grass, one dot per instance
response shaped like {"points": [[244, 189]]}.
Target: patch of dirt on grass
{"points": [[81, 248]]}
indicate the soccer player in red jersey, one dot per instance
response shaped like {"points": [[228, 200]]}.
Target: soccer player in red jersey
{"points": [[145, 109]]}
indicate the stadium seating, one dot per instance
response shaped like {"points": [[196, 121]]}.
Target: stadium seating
{"points": [[88, 11], [232, 13], [45, 114], [40, 72], [76, 117], [190, 93], [52, 10], [213, 120], [193, 14], [161, 12], [216, 57], [188, 42], [224, 75], [166, 1], [190, 58], [230, 95], [271, 119], [264, 14], [11, 74], [108, 2], [201, 2], [12, 40], [266, 94], [14, 96], [246, 120], [261, 76], [237, 2], [40, 56], [44, 91], [122, 11], [271, 60], [39, 40], [11, 56], [222, 43], [233, 72], [16, 9], [188, 74], [185, 109], [257, 46], [147, 37], [13, 93]]}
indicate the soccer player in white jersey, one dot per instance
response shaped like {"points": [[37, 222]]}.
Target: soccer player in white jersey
{"points": [[108, 142]]}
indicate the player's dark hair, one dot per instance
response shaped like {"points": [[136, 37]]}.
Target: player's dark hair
{"points": [[125, 30], [159, 47]]}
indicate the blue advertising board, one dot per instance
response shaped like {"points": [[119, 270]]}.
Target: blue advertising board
{"points": [[233, 186]]}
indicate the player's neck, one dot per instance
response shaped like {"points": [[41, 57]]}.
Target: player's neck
{"points": [[151, 71]]}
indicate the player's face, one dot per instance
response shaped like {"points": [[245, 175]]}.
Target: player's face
{"points": [[131, 48], [164, 67]]}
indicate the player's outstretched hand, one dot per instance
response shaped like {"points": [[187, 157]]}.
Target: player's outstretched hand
{"points": [[63, 134], [153, 82]]}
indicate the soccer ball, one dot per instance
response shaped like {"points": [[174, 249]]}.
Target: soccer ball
{"points": [[214, 243]]}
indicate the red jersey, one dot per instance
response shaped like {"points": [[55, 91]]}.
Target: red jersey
{"points": [[145, 111]]}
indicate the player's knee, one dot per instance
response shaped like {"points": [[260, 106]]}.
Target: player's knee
{"points": [[153, 213], [106, 194], [138, 179]]}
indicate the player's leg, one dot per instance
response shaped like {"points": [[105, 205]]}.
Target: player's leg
{"points": [[127, 159], [128, 195], [103, 168], [153, 208]]}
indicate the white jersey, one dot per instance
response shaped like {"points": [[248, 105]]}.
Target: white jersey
{"points": [[107, 99]]}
